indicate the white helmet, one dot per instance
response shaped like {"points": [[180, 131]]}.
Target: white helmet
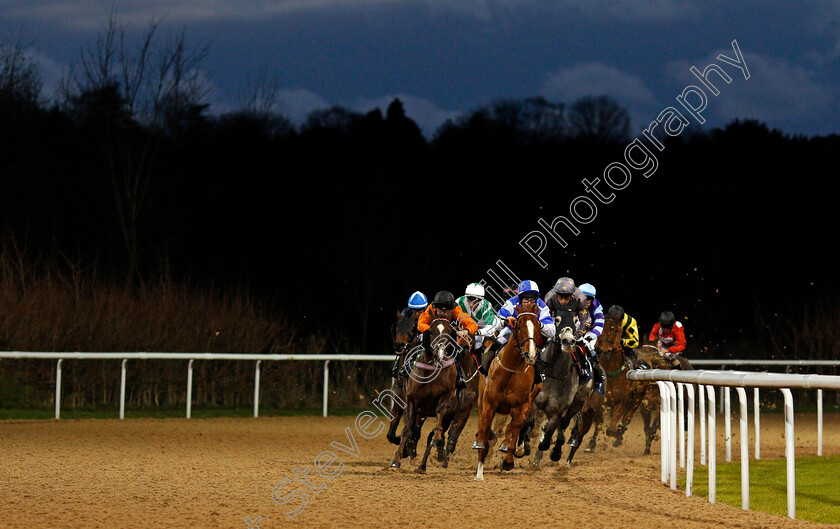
{"points": [[475, 290]]}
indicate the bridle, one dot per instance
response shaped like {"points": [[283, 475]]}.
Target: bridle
{"points": [[519, 343]]}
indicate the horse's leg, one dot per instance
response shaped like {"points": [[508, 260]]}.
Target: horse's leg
{"points": [[581, 429], [396, 413], [548, 432], [447, 424], [416, 430], [523, 443], [485, 420], [422, 468], [459, 422], [649, 428], [409, 420], [598, 418], [518, 417]]}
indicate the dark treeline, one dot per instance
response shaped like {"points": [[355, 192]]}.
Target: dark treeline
{"points": [[337, 220]]}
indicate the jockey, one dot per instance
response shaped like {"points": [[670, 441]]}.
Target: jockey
{"points": [[596, 317], [669, 336], [566, 297], [528, 296], [443, 306], [417, 303], [480, 310], [629, 335]]}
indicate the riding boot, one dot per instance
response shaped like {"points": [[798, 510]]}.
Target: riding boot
{"points": [[488, 356], [395, 370], [539, 369], [460, 383], [635, 361], [599, 378], [585, 368]]}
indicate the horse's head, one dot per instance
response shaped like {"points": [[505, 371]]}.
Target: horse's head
{"points": [[566, 338], [442, 345], [610, 340], [404, 331], [526, 332]]}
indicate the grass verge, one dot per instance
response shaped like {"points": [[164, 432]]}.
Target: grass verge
{"points": [[817, 483]]}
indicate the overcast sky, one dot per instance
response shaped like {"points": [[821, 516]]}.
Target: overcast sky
{"points": [[445, 57]]}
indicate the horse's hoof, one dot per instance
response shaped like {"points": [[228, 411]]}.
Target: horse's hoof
{"points": [[617, 443], [395, 464], [478, 445], [420, 470], [393, 439], [589, 449], [544, 445], [519, 452], [505, 465], [556, 454], [446, 463], [503, 447], [573, 441]]}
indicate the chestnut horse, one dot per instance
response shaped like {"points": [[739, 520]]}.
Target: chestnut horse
{"points": [[509, 388], [430, 391]]}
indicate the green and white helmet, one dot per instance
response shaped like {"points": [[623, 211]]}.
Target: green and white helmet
{"points": [[475, 290]]}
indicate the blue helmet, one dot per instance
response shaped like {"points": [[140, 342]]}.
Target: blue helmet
{"points": [[418, 301], [527, 287], [588, 290]]}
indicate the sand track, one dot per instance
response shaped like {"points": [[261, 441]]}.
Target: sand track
{"points": [[215, 472]]}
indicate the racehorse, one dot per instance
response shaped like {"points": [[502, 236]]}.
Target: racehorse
{"points": [[618, 396], [647, 394], [562, 395], [404, 333], [508, 388], [469, 395], [430, 390]]}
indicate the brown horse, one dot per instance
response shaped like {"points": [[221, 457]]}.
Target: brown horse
{"points": [[618, 396], [509, 388], [404, 333], [469, 395], [647, 395], [430, 391]]}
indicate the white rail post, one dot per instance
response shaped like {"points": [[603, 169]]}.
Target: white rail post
{"points": [[701, 396], [744, 442], [189, 387], [672, 442], [681, 427], [757, 425], [664, 421], [819, 422], [58, 389], [712, 445], [257, 389], [789, 453], [122, 389], [689, 466], [326, 384], [727, 423]]}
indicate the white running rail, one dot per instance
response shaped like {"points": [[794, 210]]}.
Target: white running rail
{"points": [[672, 400], [125, 357]]}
